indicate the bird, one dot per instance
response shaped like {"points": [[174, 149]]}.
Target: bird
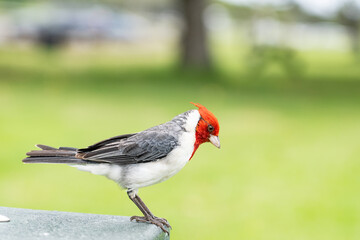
{"points": [[140, 159]]}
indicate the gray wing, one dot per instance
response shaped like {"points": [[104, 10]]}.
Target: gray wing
{"points": [[142, 147]]}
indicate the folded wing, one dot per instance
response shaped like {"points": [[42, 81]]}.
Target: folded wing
{"points": [[141, 147]]}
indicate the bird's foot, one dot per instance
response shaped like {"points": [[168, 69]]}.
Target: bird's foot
{"points": [[160, 222]]}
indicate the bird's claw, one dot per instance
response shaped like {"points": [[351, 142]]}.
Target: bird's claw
{"points": [[160, 222], [164, 222]]}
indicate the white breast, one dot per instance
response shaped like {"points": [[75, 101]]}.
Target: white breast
{"points": [[145, 174]]}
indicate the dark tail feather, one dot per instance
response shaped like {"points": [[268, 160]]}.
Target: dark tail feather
{"points": [[53, 155]]}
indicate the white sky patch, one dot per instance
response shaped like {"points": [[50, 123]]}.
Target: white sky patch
{"points": [[318, 7], [252, 2], [321, 7]]}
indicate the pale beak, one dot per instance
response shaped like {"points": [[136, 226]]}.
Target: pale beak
{"points": [[214, 140]]}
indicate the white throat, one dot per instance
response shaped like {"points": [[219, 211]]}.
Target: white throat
{"points": [[192, 121]]}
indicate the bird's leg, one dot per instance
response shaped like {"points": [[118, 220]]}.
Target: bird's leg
{"points": [[148, 216], [163, 220]]}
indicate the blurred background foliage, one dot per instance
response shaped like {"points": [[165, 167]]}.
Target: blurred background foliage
{"points": [[283, 78]]}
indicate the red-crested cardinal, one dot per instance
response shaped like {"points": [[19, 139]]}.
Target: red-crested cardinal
{"points": [[140, 159]]}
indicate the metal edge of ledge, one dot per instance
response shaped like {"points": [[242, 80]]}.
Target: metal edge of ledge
{"points": [[51, 225]]}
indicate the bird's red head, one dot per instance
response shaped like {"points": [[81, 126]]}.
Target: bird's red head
{"points": [[207, 129]]}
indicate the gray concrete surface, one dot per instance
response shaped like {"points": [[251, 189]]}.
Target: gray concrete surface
{"points": [[26, 224]]}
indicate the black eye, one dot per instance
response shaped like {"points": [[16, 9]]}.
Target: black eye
{"points": [[210, 128]]}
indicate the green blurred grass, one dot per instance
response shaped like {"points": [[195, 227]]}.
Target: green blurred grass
{"points": [[288, 167]]}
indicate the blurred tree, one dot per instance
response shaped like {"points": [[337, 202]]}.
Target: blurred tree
{"points": [[194, 49], [238, 12], [349, 16], [264, 56], [273, 49]]}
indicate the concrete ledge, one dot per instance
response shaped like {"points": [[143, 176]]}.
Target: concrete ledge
{"points": [[39, 224]]}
